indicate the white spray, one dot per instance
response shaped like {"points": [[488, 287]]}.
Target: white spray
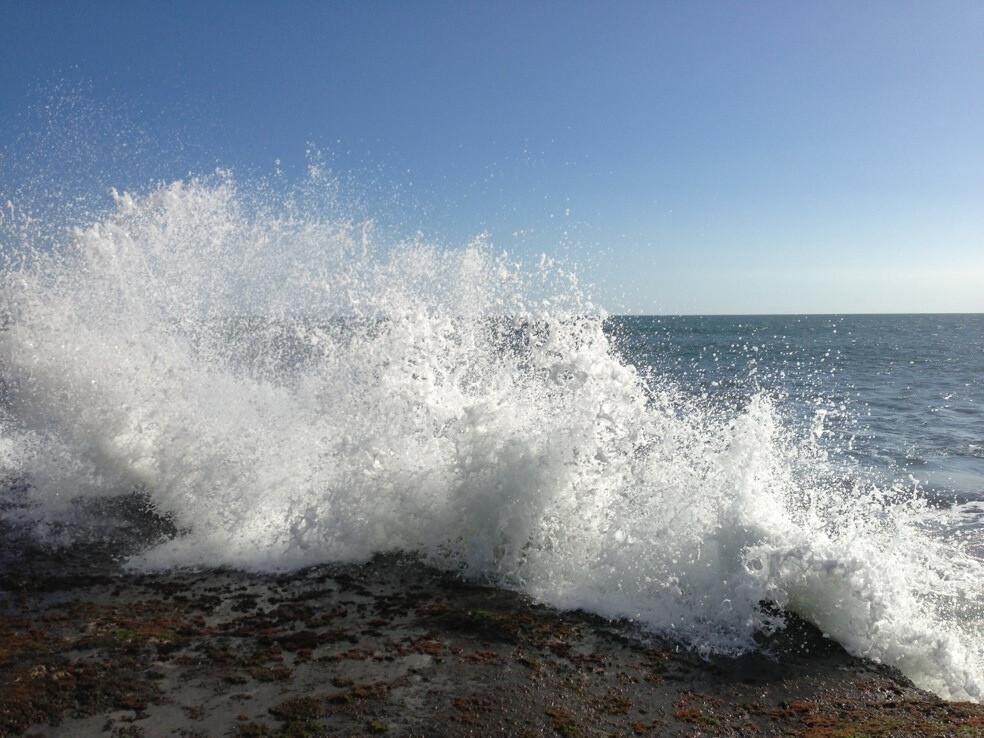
{"points": [[291, 389]]}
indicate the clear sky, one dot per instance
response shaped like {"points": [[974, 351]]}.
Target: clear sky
{"points": [[714, 157]]}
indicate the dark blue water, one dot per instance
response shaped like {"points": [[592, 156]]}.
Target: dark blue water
{"points": [[899, 396]]}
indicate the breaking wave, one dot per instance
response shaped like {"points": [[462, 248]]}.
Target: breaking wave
{"points": [[289, 387]]}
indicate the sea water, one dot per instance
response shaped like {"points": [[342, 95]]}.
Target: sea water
{"points": [[286, 386]]}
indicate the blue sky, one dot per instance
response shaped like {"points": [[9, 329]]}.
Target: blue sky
{"points": [[698, 157]]}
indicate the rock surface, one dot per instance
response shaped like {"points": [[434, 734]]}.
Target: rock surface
{"points": [[393, 647]]}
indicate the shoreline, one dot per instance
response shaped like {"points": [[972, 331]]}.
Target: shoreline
{"points": [[393, 647]]}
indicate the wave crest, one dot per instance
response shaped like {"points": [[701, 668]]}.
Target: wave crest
{"points": [[290, 388]]}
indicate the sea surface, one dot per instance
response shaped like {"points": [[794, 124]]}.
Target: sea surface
{"points": [[902, 395], [280, 386]]}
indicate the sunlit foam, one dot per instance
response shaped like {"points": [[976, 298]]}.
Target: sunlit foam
{"points": [[290, 388]]}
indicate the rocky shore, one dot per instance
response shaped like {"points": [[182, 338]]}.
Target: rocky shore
{"points": [[393, 647]]}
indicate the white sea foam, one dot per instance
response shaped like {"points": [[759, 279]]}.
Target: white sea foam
{"points": [[290, 389]]}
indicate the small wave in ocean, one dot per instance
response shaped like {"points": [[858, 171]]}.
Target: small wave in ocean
{"points": [[287, 387]]}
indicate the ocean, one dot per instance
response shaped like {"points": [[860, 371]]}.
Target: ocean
{"points": [[902, 394], [277, 386]]}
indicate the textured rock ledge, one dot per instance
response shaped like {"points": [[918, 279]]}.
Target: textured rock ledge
{"points": [[396, 648]]}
